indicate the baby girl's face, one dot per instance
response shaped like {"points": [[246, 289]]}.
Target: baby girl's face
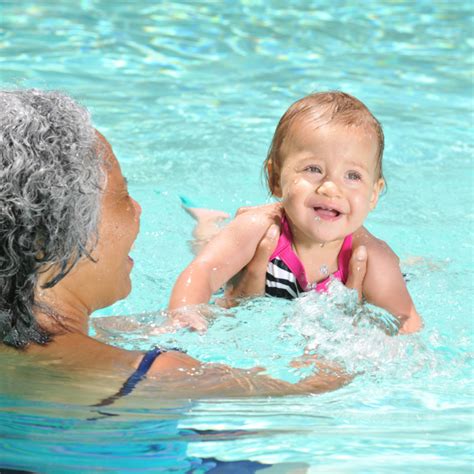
{"points": [[329, 180]]}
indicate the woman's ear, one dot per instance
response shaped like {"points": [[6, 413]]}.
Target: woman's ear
{"points": [[378, 186], [274, 179]]}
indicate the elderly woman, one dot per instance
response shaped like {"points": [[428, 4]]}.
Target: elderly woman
{"points": [[67, 224]]}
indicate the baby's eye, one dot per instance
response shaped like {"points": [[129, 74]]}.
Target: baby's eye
{"points": [[353, 176], [313, 169]]}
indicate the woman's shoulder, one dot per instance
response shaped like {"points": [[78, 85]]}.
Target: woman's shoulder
{"points": [[80, 351]]}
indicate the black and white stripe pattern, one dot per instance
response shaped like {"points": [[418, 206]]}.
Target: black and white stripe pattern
{"points": [[280, 281]]}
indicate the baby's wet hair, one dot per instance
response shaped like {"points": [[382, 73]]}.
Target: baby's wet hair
{"points": [[321, 108]]}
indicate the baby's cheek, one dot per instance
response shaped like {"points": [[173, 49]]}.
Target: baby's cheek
{"points": [[291, 189], [361, 204]]}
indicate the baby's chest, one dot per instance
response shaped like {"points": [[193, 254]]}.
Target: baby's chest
{"points": [[318, 269]]}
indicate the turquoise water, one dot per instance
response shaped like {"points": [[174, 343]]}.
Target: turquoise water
{"points": [[189, 94]]}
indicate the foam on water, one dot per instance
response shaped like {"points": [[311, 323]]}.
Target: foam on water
{"points": [[274, 333], [364, 339]]}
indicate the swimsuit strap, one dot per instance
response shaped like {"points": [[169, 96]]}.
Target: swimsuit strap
{"points": [[344, 258], [285, 239], [136, 377], [284, 250]]}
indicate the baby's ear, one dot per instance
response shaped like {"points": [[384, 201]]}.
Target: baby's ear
{"points": [[273, 179], [378, 186]]}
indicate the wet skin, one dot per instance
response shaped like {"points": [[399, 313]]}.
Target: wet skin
{"points": [[328, 181]]}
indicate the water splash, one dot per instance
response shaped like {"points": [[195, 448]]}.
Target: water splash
{"points": [[364, 339], [272, 333]]}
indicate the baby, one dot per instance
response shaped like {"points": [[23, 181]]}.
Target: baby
{"points": [[325, 166]]}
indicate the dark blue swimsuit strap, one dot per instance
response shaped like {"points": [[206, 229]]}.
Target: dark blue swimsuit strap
{"points": [[136, 377]]}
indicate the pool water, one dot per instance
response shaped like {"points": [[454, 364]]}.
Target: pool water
{"points": [[189, 94]]}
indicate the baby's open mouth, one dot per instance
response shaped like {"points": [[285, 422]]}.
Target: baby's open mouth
{"points": [[326, 212]]}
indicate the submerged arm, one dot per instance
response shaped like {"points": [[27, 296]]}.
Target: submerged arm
{"points": [[184, 376]]}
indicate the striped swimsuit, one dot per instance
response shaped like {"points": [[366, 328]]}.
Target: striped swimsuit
{"points": [[286, 277]]}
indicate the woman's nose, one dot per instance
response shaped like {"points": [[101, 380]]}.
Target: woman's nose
{"points": [[328, 188], [138, 208]]}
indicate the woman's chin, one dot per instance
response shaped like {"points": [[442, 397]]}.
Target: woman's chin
{"points": [[127, 289], [123, 290]]}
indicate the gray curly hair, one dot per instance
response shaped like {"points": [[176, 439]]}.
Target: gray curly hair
{"points": [[50, 185]]}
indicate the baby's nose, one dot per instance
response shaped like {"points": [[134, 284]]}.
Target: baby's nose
{"points": [[328, 188]]}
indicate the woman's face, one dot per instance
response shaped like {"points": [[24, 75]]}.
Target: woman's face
{"points": [[106, 279], [118, 228]]}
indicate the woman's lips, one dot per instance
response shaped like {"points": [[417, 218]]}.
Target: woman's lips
{"points": [[130, 260], [326, 213]]}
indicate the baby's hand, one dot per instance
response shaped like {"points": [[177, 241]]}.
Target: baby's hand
{"points": [[186, 317], [410, 324]]}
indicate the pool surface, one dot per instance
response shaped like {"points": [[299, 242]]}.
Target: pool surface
{"points": [[189, 94]]}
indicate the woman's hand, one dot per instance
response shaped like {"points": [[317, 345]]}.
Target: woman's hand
{"points": [[272, 211], [357, 270], [251, 280]]}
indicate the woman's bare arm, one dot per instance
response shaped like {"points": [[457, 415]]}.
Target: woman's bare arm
{"points": [[182, 375]]}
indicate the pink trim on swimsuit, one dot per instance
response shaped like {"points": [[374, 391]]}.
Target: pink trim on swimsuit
{"points": [[284, 250]]}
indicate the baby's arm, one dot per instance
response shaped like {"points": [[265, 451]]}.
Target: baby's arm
{"points": [[224, 256], [384, 285]]}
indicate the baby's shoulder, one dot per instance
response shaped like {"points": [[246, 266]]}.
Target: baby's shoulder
{"points": [[377, 249], [253, 220]]}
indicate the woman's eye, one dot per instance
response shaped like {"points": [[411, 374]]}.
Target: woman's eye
{"points": [[354, 176]]}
